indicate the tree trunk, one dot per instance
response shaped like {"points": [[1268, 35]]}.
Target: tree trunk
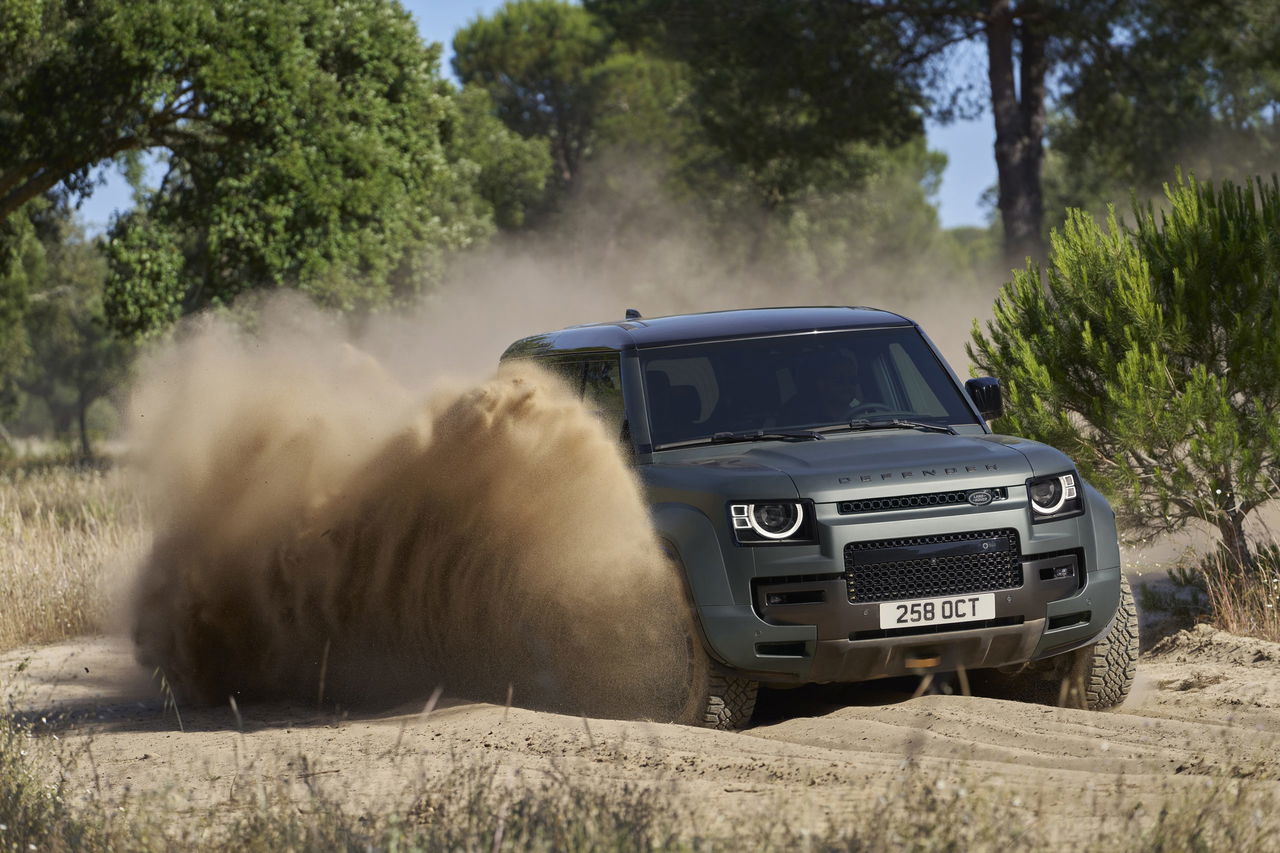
{"points": [[63, 417], [1019, 113], [1231, 528], [82, 416]]}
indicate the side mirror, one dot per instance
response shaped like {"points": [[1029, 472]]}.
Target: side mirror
{"points": [[986, 395]]}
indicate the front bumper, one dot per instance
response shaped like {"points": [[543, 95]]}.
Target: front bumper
{"points": [[798, 653], [798, 624]]}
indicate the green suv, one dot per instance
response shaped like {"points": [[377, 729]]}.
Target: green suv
{"points": [[841, 511]]}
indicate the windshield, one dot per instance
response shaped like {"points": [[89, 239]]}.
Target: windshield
{"points": [[796, 382]]}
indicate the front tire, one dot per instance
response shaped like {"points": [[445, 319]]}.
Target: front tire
{"points": [[1095, 677], [716, 698], [1103, 673], [727, 701]]}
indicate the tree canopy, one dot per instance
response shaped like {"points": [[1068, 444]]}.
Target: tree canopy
{"points": [[1196, 84], [777, 86], [778, 77], [317, 147], [21, 260], [513, 171], [540, 61], [304, 144]]}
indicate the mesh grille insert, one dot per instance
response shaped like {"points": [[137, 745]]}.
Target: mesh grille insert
{"points": [[952, 498], [928, 566]]}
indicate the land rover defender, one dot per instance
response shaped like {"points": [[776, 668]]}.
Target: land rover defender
{"points": [[840, 510]]}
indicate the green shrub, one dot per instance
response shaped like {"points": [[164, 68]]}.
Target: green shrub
{"points": [[1150, 354]]}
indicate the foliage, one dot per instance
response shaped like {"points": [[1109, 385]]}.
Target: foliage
{"points": [[76, 359], [513, 170], [1150, 355], [871, 207], [305, 145], [146, 292], [540, 61], [35, 815], [21, 260], [778, 90], [1243, 603], [648, 109], [475, 805], [652, 173], [1195, 83], [1210, 588], [777, 86]]}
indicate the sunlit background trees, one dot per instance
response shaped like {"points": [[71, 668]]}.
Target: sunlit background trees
{"points": [[324, 148]]}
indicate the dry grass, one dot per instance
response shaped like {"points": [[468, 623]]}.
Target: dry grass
{"points": [[1212, 589], [478, 805], [66, 536], [1247, 605]]}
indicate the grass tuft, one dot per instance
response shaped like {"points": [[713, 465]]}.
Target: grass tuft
{"points": [[36, 814]]}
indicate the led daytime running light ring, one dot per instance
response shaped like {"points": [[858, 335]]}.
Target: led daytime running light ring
{"points": [[751, 516], [1062, 498]]}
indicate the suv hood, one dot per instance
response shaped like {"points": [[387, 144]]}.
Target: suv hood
{"points": [[885, 462]]}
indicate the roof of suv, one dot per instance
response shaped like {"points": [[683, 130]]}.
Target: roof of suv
{"points": [[713, 325]]}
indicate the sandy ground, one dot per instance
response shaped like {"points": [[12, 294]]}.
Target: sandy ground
{"points": [[1206, 706]]}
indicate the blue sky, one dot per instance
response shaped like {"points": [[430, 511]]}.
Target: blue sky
{"points": [[968, 145]]}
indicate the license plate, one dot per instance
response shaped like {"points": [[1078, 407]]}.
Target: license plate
{"points": [[938, 611]]}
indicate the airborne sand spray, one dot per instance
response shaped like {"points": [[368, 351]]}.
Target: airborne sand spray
{"points": [[317, 528], [325, 512]]}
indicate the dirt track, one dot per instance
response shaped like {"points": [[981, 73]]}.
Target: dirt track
{"points": [[1207, 705]]}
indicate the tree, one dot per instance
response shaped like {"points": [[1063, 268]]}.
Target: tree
{"points": [[1196, 84], [778, 86], [1150, 355], [305, 142], [869, 214], [75, 358], [778, 76], [797, 194], [540, 62], [83, 82]]}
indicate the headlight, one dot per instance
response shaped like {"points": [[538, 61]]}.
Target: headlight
{"points": [[1054, 497], [772, 522]]}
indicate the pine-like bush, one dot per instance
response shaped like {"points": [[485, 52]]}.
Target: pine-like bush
{"points": [[1151, 354]]}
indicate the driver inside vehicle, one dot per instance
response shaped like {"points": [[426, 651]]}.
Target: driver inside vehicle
{"points": [[826, 394]]}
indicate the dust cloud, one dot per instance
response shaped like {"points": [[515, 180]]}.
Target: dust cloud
{"points": [[324, 533], [367, 513], [518, 288]]}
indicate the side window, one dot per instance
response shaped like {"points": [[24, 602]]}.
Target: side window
{"points": [[570, 370], [602, 391]]}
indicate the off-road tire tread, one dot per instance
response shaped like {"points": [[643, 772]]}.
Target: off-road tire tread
{"points": [[1095, 677], [730, 700], [1108, 666]]}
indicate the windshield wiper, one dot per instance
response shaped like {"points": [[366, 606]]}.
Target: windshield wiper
{"points": [[765, 435], [898, 423], [757, 435]]}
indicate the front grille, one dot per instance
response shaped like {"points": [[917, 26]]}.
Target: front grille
{"points": [[952, 498], [929, 566]]}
